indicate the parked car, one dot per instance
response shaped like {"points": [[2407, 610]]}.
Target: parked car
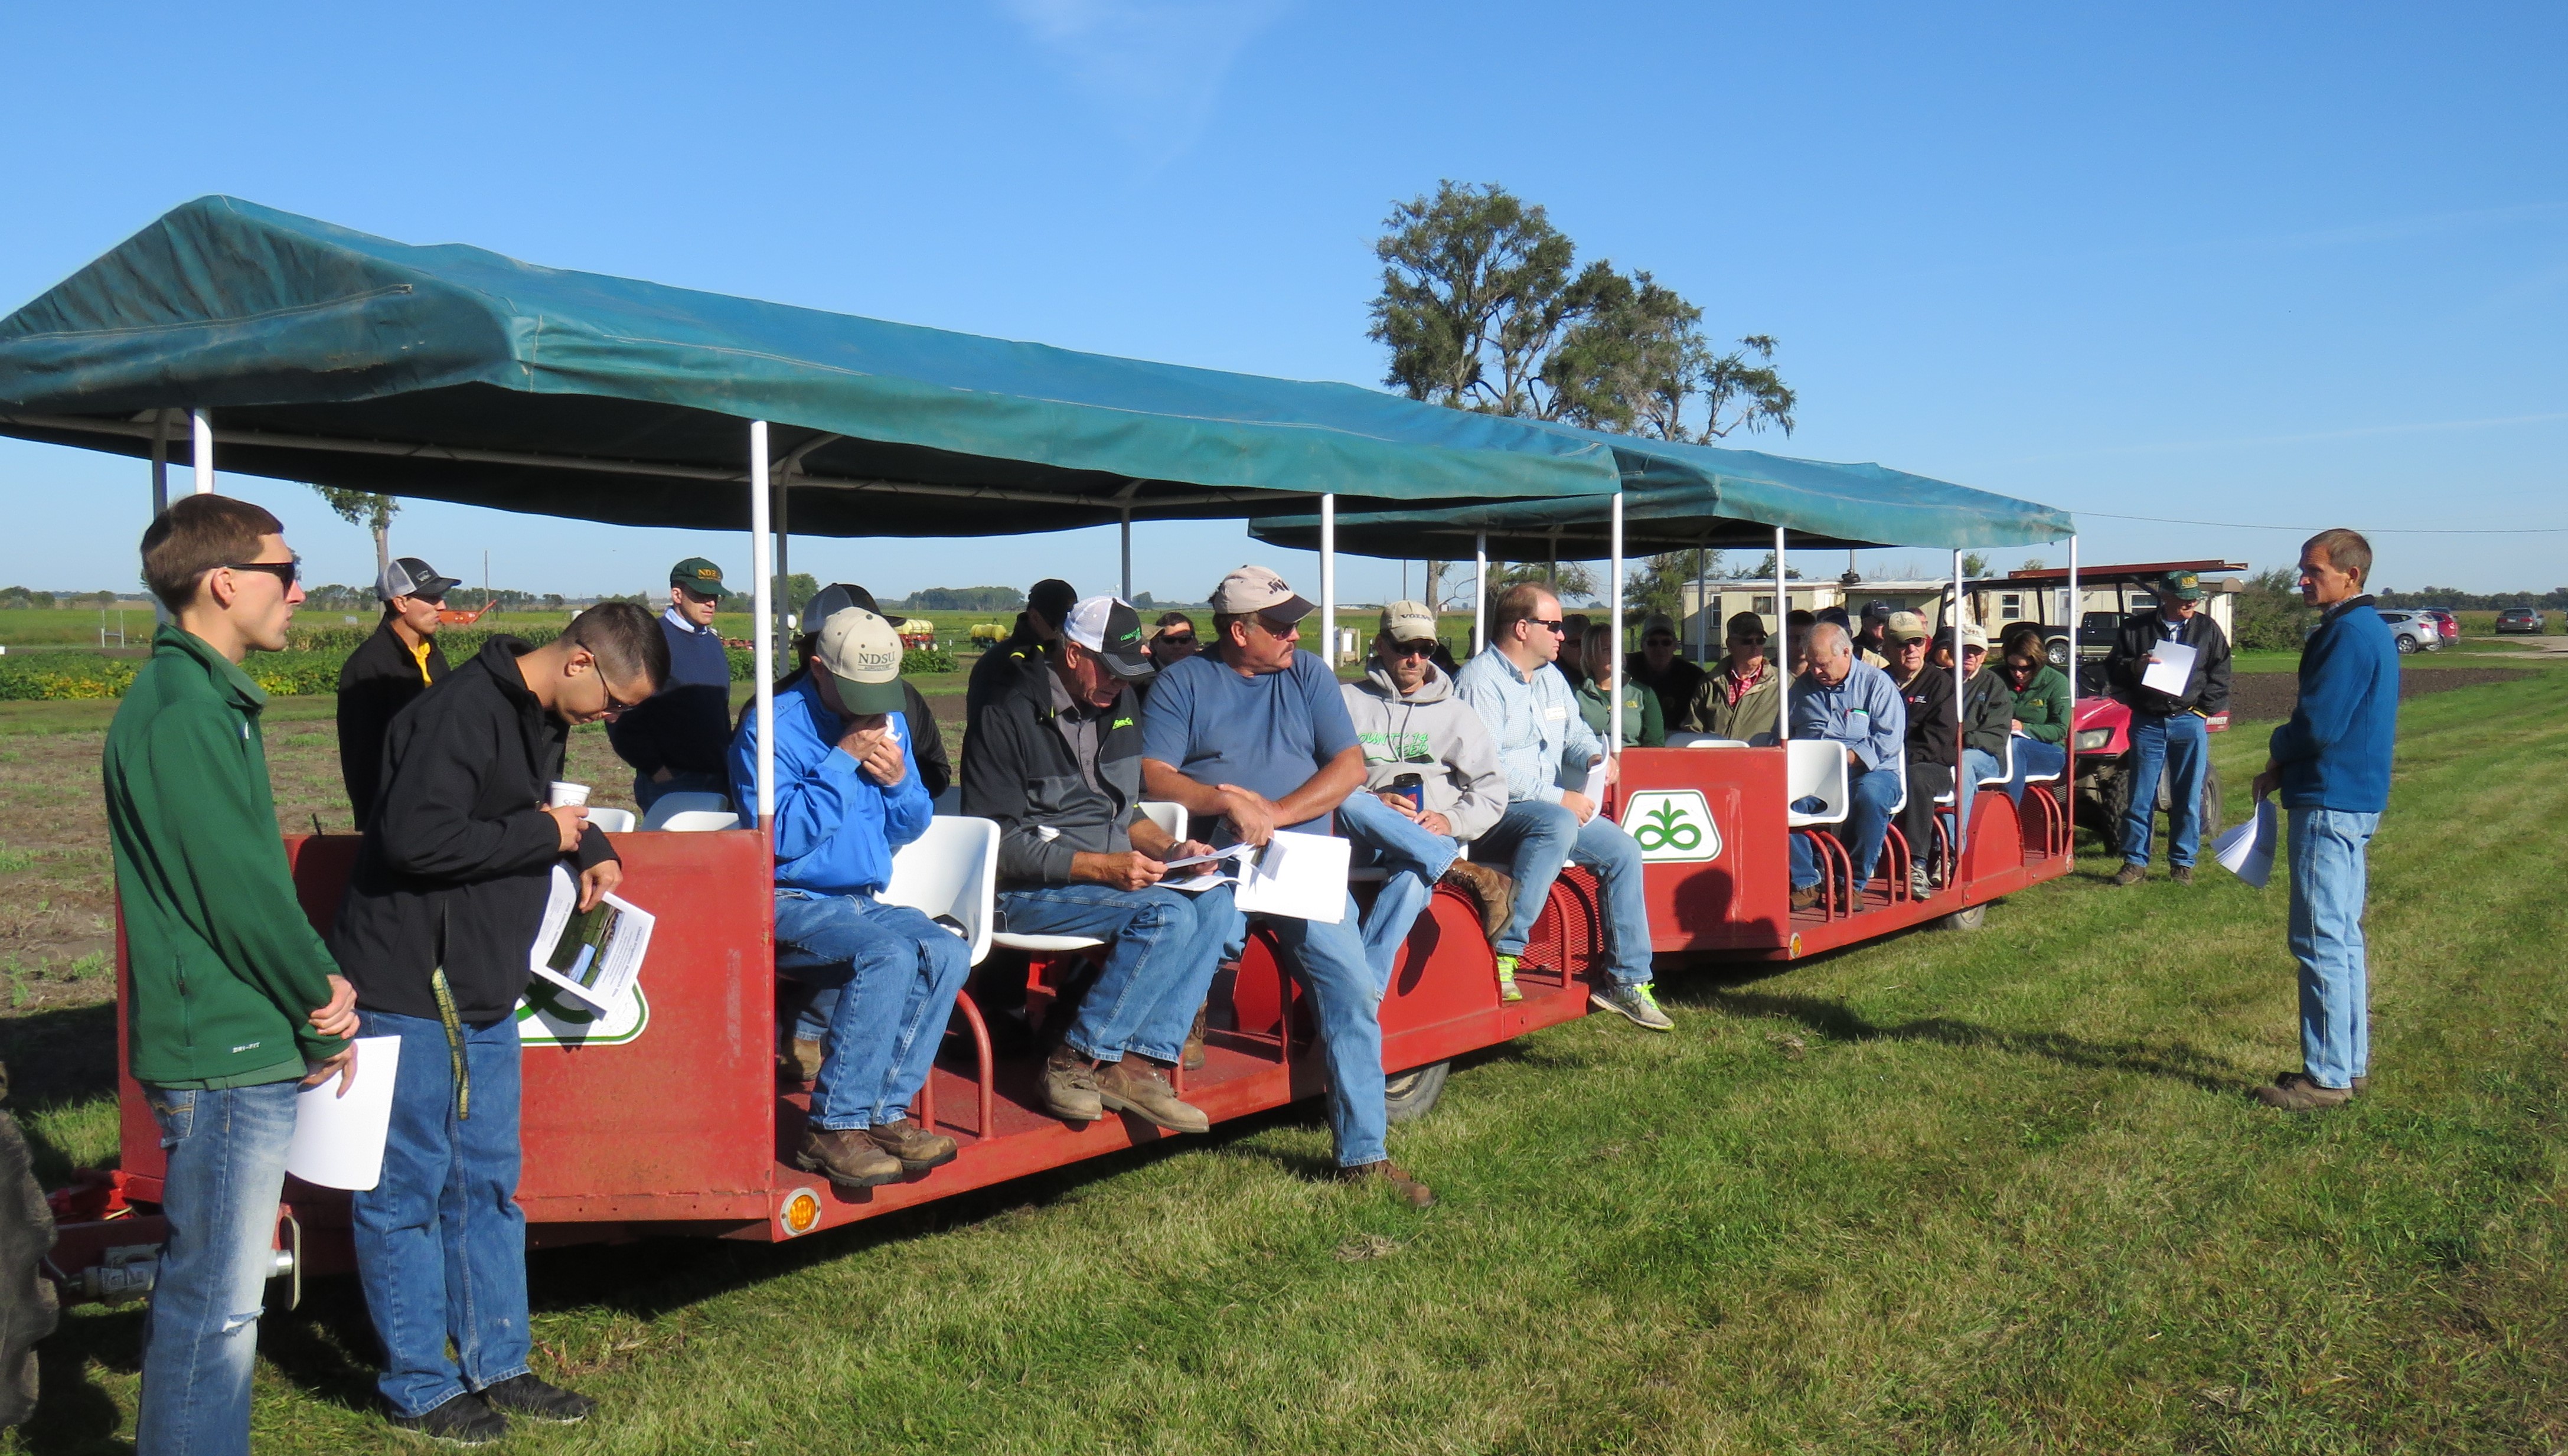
{"points": [[2521, 619], [2445, 622], [2415, 631]]}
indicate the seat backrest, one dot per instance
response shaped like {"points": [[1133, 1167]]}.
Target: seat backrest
{"points": [[612, 821], [684, 803], [2005, 764], [1816, 768], [1901, 758], [951, 869], [699, 821], [1170, 816]]}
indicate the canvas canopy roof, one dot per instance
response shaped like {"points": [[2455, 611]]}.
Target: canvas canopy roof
{"points": [[1683, 495], [456, 373]]}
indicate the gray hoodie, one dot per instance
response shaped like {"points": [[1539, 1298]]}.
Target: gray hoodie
{"points": [[1461, 774]]}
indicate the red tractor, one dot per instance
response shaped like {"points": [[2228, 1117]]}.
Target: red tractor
{"points": [[2101, 732]]}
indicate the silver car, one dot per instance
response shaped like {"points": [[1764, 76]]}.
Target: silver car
{"points": [[2414, 632]]}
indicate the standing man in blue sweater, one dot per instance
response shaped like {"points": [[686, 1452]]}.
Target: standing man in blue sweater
{"points": [[676, 741], [846, 795], [2332, 762]]}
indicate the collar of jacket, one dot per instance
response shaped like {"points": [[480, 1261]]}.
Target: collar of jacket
{"points": [[499, 657], [1376, 681], [1032, 683], [2325, 617], [222, 671]]}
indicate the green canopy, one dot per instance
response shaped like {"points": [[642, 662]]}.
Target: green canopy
{"points": [[455, 373], [1683, 495]]}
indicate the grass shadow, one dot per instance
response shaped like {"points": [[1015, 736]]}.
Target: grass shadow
{"points": [[58, 1057], [72, 1416], [2176, 1061]]}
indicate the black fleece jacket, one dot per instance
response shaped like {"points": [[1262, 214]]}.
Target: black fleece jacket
{"points": [[1019, 771], [1931, 714], [2206, 688], [377, 680], [459, 857]]}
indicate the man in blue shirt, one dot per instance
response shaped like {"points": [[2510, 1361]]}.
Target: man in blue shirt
{"points": [[1854, 705], [846, 795], [1255, 733], [1528, 709], [2332, 763], [676, 741]]}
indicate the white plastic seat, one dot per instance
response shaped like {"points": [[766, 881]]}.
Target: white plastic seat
{"points": [[684, 803], [1815, 768], [612, 821], [1704, 741], [1901, 758], [1171, 819], [699, 821], [951, 869]]}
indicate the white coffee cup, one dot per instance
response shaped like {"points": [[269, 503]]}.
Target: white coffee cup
{"points": [[562, 796]]}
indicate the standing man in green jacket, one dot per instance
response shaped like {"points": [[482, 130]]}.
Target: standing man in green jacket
{"points": [[233, 1002]]}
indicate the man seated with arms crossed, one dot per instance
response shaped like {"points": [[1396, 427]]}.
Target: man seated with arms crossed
{"points": [[1742, 697], [1531, 714], [1253, 733], [1055, 759], [846, 795], [1852, 705], [1431, 780], [676, 741]]}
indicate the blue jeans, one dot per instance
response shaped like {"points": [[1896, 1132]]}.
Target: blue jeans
{"points": [[1869, 793], [226, 1167], [2178, 744], [1415, 858], [896, 973], [1165, 945], [1346, 1001], [2329, 876], [441, 1240], [1534, 839], [646, 793], [2034, 757], [1978, 765]]}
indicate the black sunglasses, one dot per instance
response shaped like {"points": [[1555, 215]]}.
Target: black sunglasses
{"points": [[288, 573], [1557, 626], [1412, 649], [1178, 639], [1757, 640]]}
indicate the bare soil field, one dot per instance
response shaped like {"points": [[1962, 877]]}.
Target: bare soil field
{"points": [[2259, 696]]}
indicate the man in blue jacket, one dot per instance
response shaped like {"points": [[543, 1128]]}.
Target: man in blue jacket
{"points": [[2332, 762], [846, 795], [1851, 704]]}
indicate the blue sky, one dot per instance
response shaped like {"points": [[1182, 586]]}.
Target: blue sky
{"points": [[2273, 265]]}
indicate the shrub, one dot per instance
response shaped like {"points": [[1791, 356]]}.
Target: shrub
{"points": [[2268, 615], [62, 675]]}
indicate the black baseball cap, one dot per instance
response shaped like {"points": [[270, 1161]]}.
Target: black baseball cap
{"points": [[1109, 629], [407, 576]]}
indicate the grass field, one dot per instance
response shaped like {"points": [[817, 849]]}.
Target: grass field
{"points": [[1984, 1192]]}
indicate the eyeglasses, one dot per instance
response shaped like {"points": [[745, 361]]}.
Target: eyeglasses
{"points": [[1278, 629], [288, 573], [1658, 642], [1757, 640], [1176, 639], [1558, 627], [1409, 649], [614, 704]]}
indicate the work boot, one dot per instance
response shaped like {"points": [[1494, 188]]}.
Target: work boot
{"points": [[799, 1062], [1493, 892], [2293, 1091], [2361, 1085], [1806, 897], [1192, 1056], [1069, 1087], [1920, 884], [2128, 875], [462, 1421], [1507, 980], [1133, 1085], [524, 1395], [917, 1147], [846, 1157], [2182, 874], [1633, 1000], [1411, 1191]]}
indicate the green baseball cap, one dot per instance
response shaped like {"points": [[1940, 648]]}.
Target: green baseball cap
{"points": [[697, 575], [2184, 586]]}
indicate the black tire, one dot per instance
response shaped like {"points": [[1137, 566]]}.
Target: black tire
{"points": [[2211, 810], [1968, 918], [2407, 644], [1409, 1095], [2056, 649], [27, 1301], [2112, 800]]}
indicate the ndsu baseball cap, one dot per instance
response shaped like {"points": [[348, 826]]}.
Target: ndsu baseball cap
{"points": [[1111, 630], [407, 576], [862, 654], [1256, 589], [697, 575]]}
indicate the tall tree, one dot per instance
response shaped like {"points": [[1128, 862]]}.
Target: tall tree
{"points": [[365, 508]]}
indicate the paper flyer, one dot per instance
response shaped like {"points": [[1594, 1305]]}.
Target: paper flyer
{"points": [[339, 1141], [2247, 850], [2171, 663], [1300, 875], [595, 954]]}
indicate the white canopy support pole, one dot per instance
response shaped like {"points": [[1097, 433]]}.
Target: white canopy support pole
{"points": [[1702, 608], [203, 448], [1614, 697], [785, 603], [1963, 789], [159, 487], [1784, 638], [2069, 758], [1480, 593], [1328, 581], [1127, 555], [762, 574]]}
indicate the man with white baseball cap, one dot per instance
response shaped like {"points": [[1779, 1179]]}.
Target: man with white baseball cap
{"points": [[848, 794], [1254, 733], [1055, 759]]}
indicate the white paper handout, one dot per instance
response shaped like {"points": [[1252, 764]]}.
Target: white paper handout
{"points": [[2247, 851], [2171, 663], [593, 955], [1594, 789], [339, 1141], [1300, 875]]}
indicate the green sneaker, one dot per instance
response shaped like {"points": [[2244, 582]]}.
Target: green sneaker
{"points": [[1635, 1002], [1507, 980]]}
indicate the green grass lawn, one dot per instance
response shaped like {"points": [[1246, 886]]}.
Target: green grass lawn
{"points": [[1953, 1192]]}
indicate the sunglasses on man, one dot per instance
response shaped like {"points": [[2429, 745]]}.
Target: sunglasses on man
{"points": [[1412, 649], [1176, 639], [288, 573]]}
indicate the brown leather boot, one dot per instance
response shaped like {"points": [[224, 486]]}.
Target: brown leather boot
{"points": [[1806, 897], [917, 1147], [2293, 1091], [799, 1064], [1192, 1056], [1496, 893], [1387, 1172], [1069, 1087], [848, 1158], [1134, 1085], [2128, 875]]}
